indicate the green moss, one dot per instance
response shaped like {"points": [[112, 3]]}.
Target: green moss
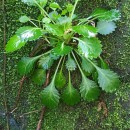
{"points": [[85, 115]]}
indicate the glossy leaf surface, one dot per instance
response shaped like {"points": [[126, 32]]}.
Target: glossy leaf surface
{"points": [[90, 47], [29, 33], [105, 28], [61, 50], [85, 30], [14, 44], [108, 80]]}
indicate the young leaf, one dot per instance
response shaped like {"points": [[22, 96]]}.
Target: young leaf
{"points": [[69, 7], [89, 89], [70, 64], [64, 20], [26, 64], [87, 66], [85, 30], [33, 2], [46, 62], [14, 44], [90, 47], [105, 28], [70, 95], [64, 12], [50, 96], [54, 6], [54, 15], [55, 29], [46, 20], [108, 80], [39, 76], [29, 33], [106, 15], [61, 50], [24, 19], [60, 80]]}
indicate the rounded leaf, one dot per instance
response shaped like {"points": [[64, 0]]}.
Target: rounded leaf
{"points": [[50, 96], [71, 95], [24, 19], [105, 28]]}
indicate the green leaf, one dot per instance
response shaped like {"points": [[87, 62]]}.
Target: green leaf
{"points": [[89, 89], [54, 57], [108, 80], [39, 76], [62, 50], [69, 7], [54, 15], [112, 15], [64, 20], [29, 33], [64, 12], [33, 2], [14, 44], [46, 62], [26, 64], [103, 64], [50, 96], [24, 19], [105, 28], [70, 64], [105, 15], [90, 47], [46, 20], [98, 12], [85, 30], [70, 95], [95, 76], [60, 80], [55, 29], [87, 66], [54, 6]]}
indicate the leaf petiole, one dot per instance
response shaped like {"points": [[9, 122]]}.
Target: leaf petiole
{"points": [[33, 23], [43, 10], [53, 79], [72, 13], [78, 65]]}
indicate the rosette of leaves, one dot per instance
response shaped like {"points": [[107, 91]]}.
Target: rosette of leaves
{"points": [[64, 34]]}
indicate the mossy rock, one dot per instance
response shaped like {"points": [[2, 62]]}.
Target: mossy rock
{"points": [[85, 115]]}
